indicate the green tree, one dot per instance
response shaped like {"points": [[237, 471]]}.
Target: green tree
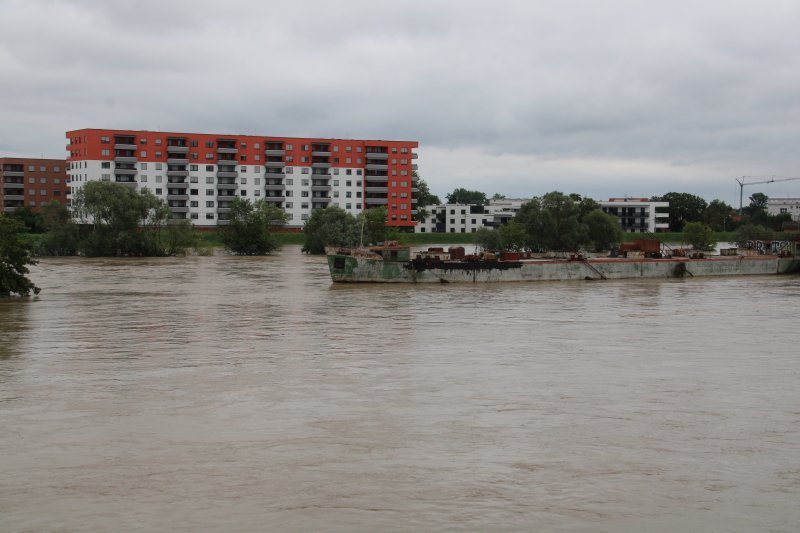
{"points": [[124, 222], [14, 259], [512, 236], [585, 206], [464, 196], [249, 230], [373, 222], [683, 208], [603, 230], [552, 222], [718, 215], [177, 237], [62, 235], [331, 226], [747, 233], [758, 200], [424, 195], [700, 236], [488, 239], [31, 221]]}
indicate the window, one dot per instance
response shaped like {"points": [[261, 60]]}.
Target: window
{"points": [[303, 159], [349, 149], [336, 194], [358, 194], [305, 170], [348, 160], [209, 179], [56, 169], [256, 181], [209, 144], [104, 140], [289, 181], [42, 180], [192, 168], [304, 194], [43, 192], [159, 179], [158, 142], [358, 172], [209, 168], [209, 216], [143, 179], [336, 148], [335, 171], [403, 206], [289, 205], [243, 192], [32, 192], [289, 158], [394, 150], [256, 146], [289, 147], [158, 166], [56, 193], [210, 203], [304, 205], [348, 194], [349, 172], [404, 161], [209, 155], [257, 192], [404, 150], [105, 164], [288, 170], [193, 143], [242, 145], [257, 157], [243, 181], [158, 154], [209, 192], [193, 216], [243, 169], [193, 155], [56, 180], [243, 157], [394, 161], [348, 206], [193, 192], [142, 141], [288, 193], [335, 183], [143, 166], [102, 152], [358, 149], [358, 206], [305, 147], [158, 191]]}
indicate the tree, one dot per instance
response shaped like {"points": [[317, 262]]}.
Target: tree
{"points": [[31, 221], [603, 230], [552, 223], [683, 208], [464, 196], [758, 201], [424, 195], [373, 221], [718, 215], [700, 236], [498, 196], [62, 235], [748, 233], [585, 205], [512, 236], [125, 222], [249, 229], [488, 239], [331, 226], [14, 259]]}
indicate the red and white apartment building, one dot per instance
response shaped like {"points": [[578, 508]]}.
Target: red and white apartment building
{"points": [[198, 174], [32, 182]]}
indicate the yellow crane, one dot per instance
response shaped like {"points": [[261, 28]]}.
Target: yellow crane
{"points": [[742, 183]]}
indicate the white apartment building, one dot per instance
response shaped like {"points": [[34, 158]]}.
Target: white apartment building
{"points": [[468, 218], [780, 206], [638, 215]]}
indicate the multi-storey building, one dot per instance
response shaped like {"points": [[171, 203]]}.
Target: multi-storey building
{"points": [[32, 182], [638, 215], [780, 206], [468, 218], [199, 174]]}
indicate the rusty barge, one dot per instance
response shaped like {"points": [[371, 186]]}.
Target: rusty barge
{"points": [[394, 263]]}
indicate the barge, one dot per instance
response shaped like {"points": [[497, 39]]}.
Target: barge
{"points": [[394, 263]]}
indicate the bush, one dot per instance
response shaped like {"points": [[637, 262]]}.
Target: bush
{"points": [[700, 236], [331, 226], [249, 231]]}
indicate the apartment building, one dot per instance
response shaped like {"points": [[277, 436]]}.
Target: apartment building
{"points": [[199, 174], [32, 182], [638, 215], [781, 206], [468, 218]]}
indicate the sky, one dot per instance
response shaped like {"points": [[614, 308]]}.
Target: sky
{"points": [[604, 99]]}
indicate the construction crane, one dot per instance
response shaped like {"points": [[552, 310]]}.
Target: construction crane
{"points": [[741, 182]]}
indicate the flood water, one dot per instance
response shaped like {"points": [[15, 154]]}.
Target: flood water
{"points": [[251, 394]]}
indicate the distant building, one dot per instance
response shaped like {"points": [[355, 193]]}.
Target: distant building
{"points": [[199, 174], [468, 218], [638, 215], [32, 182], [780, 206]]}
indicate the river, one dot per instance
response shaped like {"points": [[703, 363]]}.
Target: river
{"points": [[251, 394]]}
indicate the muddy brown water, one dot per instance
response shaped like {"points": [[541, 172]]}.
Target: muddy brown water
{"points": [[251, 394]]}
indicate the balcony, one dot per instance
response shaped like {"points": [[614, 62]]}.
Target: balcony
{"points": [[177, 161], [320, 199], [414, 167], [179, 208], [321, 187], [414, 200], [13, 173], [126, 183], [227, 174], [127, 159], [377, 189], [321, 165], [226, 162], [414, 155], [274, 187], [376, 201], [177, 185], [274, 152], [183, 173], [274, 173], [320, 153], [274, 198], [223, 222], [225, 150], [14, 197], [376, 155], [177, 149], [125, 171], [316, 176], [9, 185], [227, 186], [372, 166], [382, 179], [125, 146], [275, 164], [177, 197], [226, 198], [221, 209]]}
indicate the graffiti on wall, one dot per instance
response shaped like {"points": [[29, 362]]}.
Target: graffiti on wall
{"points": [[768, 247]]}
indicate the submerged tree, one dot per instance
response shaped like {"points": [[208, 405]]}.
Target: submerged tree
{"points": [[700, 236], [249, 231], [14, 259], [330, 226]]}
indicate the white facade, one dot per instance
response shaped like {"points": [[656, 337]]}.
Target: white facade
{"points": [[779, 206], [638, 215], [468, 218]]}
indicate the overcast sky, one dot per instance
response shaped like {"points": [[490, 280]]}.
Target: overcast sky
{"points": [[603, 98]]}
